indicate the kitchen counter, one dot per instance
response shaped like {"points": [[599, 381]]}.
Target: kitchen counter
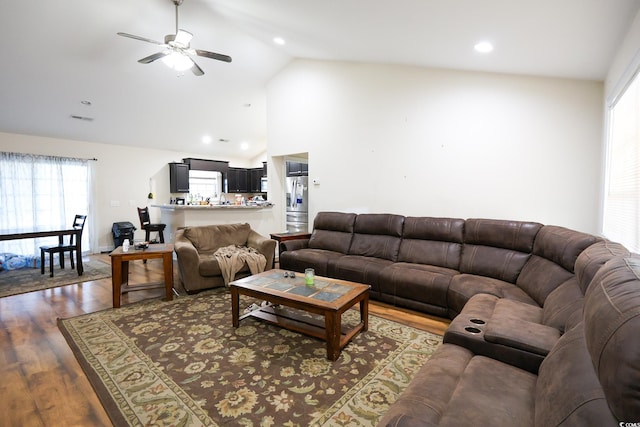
{"points": [[260, 217], [210, 207]]}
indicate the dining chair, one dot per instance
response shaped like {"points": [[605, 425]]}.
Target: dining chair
{"points": [[61, 247]]}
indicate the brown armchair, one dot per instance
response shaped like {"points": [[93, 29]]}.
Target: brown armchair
{"points": [[195, 246]]}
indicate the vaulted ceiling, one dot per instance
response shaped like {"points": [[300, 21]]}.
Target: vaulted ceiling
{"points": [[57, 54]]}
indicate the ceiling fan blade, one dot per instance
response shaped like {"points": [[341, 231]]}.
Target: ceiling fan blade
{"points": [[151, 58], [196, 69], [144, 39], [212, 55]]}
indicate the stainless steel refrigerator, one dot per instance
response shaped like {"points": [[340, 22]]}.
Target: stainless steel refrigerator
{"points": [[297, 204]]}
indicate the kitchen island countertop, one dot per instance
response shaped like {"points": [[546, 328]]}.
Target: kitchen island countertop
{"points": [[260, 217], [207, 207]]}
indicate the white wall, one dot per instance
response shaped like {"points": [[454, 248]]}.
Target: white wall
{"points": [[429, 142], [122, 176], [625, 62]]}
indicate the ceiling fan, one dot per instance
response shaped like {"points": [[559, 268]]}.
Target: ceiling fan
{"points": [[177, 52]]}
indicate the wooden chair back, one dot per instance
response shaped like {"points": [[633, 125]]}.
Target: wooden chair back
{"points": [[145, 219]]}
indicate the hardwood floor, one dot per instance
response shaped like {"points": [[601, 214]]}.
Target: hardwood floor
{"points": [[42, 384]]}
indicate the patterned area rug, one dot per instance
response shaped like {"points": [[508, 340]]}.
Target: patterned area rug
{"points": [[23, 280], [181, 363]]}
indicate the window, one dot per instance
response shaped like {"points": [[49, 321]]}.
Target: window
{"points": [[621, 221], [44, 192], [204, 184]]}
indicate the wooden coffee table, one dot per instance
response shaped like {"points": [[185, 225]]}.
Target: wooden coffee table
{"points": [[327, 297]]}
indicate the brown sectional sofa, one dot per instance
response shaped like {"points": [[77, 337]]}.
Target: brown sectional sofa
{"points": [[589, 378], [516, 351], [435, 265]]}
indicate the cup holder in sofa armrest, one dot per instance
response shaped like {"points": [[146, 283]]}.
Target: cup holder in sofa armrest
{"points": [[477, 321], [472, 330]]}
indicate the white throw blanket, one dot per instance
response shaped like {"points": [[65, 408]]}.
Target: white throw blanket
{"points": [[232, 258]]}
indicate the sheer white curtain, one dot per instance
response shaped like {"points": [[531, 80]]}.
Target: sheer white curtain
{"points": [[43, 192]]}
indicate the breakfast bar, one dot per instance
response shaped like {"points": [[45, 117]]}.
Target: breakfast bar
{"points": [[177, 216]]}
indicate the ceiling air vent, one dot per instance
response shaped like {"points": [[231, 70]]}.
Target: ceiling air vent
{"points": [[86, 119]]}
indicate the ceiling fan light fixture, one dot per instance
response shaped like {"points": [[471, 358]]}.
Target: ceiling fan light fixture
{"points": [[178, 54], [177, 61], [182, 39]]}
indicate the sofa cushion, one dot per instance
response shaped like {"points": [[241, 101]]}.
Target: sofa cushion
{"points": [[300, 259], [464, 286], [456, 388], [595, 256], [563, 307], [208, 238], [359, 269], [377, 236], [497, 248], [561, 245], [427, 396], [611, 323], [332, 231], [568, 392], [540, 276], [209, 266], [491, 393], [555, 252], [426, 285], [515, 235], [433, 241]]}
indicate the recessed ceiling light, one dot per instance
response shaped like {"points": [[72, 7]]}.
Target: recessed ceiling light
{"points": [[483, 47], [85, 102], [206, 139], [279, 40], [244, 146]]}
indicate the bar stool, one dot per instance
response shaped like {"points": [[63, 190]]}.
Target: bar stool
{"points": [[145, 224], [148, 227]]}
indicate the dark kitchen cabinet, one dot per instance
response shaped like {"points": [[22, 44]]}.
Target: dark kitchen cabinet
{"points": [[237, 180], [297, 169], [179, 177], [207, 165], [255, 180]]}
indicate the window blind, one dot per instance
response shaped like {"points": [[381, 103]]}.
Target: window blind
{"points": [[621, 220]]}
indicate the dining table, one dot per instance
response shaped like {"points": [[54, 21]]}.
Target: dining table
{"points": [[36, 232]]}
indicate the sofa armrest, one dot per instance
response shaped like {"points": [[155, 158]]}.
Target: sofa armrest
{"points": [[188, 258], [522, 335], [293, 245], [264, 245]]}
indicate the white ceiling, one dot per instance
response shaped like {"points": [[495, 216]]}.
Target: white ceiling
{"points": [[57, 53]]}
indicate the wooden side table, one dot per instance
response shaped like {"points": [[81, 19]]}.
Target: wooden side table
{"points": [[283, 237], [120, 269]]}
